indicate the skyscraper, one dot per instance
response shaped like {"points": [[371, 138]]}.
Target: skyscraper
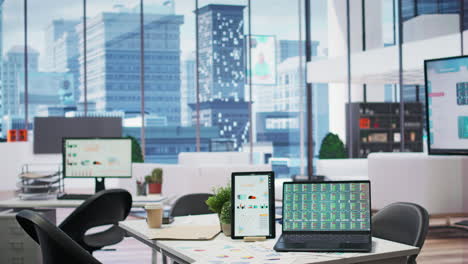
{"points": [[13, 67], [222, 52], [222, 72], [114, 63], [187, 88], [62, 50], [54, 31]]}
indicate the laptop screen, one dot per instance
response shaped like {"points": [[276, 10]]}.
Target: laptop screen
{"points": [[342, 206]]}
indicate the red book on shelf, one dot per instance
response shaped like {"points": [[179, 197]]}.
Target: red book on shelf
{"points": [[364, 122]]}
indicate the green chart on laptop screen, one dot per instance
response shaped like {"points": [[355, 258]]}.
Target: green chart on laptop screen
{"points": [[326, 207]]}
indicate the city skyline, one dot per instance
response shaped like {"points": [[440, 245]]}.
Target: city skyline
{"points": [[113, 68], [47, 10]]}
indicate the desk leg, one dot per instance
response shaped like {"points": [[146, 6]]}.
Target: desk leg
{"points": [[154, 256]]}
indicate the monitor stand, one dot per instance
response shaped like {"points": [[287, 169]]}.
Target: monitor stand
{"points": [[99, 184]]}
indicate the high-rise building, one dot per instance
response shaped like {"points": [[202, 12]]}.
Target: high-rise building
{"points": [[222, 72], [281, 126], [55, 31], [221, 52], [266, 98], [114, 56], [168, 141], [229, 116], [62, 50], [13, 67], [414, 8], [187, 88]]}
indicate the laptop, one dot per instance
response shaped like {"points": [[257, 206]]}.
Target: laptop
{"points": [[326, 217]]}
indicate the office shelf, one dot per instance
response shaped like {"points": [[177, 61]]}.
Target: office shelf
{"points": [[375, 127]]}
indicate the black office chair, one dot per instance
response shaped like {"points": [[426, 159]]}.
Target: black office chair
{"points": [[56, 246], [406, 223], [191, 204], [106, 207]]}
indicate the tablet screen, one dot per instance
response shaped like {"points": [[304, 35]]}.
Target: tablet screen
{"points": [[252, 201]]}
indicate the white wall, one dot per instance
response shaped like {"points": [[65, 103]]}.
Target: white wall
{"points": [[430, 26], [374, 34]]}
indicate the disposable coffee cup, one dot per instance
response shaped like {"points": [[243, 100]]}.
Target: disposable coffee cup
{"points": [[154, 215]]}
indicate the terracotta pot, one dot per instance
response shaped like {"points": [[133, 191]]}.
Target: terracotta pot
{"points": [[226, 229], [154, 188]]}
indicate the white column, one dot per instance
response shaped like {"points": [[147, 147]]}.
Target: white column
{"points": [[465, 42], [337, 46]]}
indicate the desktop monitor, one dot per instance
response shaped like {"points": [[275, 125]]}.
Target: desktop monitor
{"points": [[447, 105], [97, 158]]}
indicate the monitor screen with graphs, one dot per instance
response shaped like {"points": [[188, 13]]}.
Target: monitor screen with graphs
{"points": [[330, 206], [447, 105], [97, 157]]}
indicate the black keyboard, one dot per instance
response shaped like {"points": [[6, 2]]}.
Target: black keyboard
{"points": [[345, 238], [73, 196]]}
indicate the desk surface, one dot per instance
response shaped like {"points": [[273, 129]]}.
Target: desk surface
{"points": [[223, 249], [138, 201]]}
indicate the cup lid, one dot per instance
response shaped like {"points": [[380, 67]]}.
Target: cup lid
{"points": [[153, 206]]}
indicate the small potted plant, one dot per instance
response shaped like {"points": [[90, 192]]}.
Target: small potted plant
{"points": [[216, 202], [154, 181], [225, 218]]}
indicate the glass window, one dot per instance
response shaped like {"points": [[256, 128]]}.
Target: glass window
{"points": [[427, 7], [408, 8], [224, 106], [113, 58], [53, 57], [12, 50], [449, 6], [278, 84], [170, 79]]}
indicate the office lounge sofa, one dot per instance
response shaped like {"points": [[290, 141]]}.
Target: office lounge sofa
{"points": [[438, 183]]}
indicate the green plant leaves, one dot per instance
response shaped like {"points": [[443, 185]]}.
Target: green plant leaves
{"points": [[221, 195], [332, 148]]}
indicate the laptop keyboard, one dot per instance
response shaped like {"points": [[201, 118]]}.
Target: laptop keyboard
{"points": [[303, 238]]}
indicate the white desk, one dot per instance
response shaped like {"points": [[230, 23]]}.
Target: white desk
{"points": [[223, 249], [16, 203]]}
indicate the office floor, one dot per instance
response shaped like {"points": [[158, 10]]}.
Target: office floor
{"points": [[437, 250]]}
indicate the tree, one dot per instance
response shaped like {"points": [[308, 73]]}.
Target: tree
{"points": [[137, 155], [332, 148]]}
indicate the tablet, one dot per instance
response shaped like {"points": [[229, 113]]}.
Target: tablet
{"points": [[253, 200]]}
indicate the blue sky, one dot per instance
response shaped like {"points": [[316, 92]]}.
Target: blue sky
{"points": [[269, 17]]}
